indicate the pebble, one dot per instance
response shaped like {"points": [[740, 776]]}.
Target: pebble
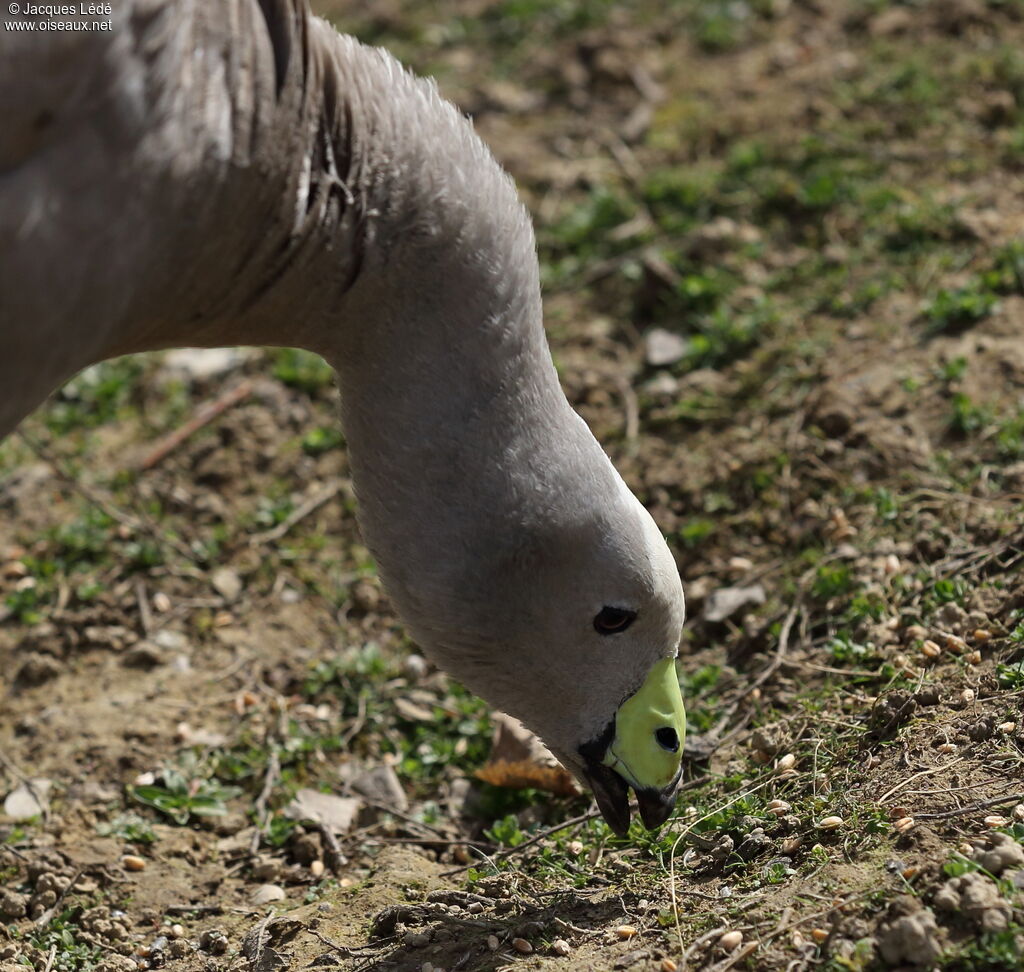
{"points": [[625, 932], [213, 940], [830, 823], [132, 862], [475, 908], [1007, 726], [266, 893], [316, 868], [176, 931], [522, 946], [560, 947], [414, 939], [493, 943], [967, 695], [731, 940]]}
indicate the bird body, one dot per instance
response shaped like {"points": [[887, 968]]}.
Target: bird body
{"points": [[238, 173]]}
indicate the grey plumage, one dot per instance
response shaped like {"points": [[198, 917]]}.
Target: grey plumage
{"points": [[238, 173]]}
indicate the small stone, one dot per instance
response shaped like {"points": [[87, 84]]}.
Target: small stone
{"points": [[493, 943], [830, 823], [415, 939], [522, 946], [731, 940], [1006, 727], [176, 931], [475, 908], [13, 905], [625, 932], [267, 893], [967, 695], [316, 869], [132, 862], [161, 602], [560, 947], [663, 348], [213, 940], [227, 583]]}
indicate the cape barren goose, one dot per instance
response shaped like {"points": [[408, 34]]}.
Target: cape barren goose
{"points": [[209, 174]]}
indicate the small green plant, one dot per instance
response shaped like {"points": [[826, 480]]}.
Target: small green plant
{"points": [[303, 370], [695, 531], [130, 827], [184, 795], [955, 309], [832, 580], [967, 416], [505, 832], [322, 439], [1011, 676]]}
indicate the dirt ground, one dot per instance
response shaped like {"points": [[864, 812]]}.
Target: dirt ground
{"points": [[784, 271]]}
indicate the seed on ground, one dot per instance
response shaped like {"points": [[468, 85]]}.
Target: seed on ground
{"points": [[830, 823], [1018, 812], [904, 824], [896, 813], [955, 644], [522, 946], [493, 943], [668, 965], [625, 931], [786, 763], [177, 931], [819, 934], [947, 748], [791, 844], [779, 808], [132, 862], [915, 632], [560, 947], [731, 940], [1007, 726], [316, 868], [973, 657], [967, 695], [994, 820], [981, 635], [909, 872], [930, 650]]}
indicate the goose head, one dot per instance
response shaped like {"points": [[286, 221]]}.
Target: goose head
{"points": [[568, 617]]}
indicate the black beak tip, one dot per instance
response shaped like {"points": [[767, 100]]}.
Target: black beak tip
{"points": [[612, 794], [656, 806]]}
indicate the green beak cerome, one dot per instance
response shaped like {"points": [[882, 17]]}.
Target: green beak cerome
{"points": [[643, 751]]}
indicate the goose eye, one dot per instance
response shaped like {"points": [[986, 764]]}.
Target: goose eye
{"points": [[611, 620]]}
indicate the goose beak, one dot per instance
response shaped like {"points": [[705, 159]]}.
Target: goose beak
{"points": [[641, 749]]}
